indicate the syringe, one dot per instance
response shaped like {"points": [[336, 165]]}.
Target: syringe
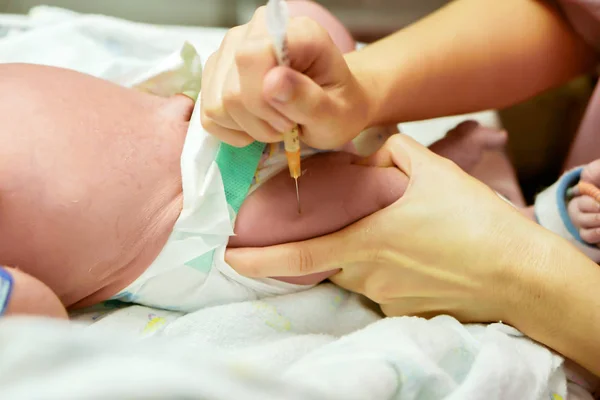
{"points": [[277, 20], [291, 142]]}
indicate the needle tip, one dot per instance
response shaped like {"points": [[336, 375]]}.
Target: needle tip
{"points": [[298, 196]]}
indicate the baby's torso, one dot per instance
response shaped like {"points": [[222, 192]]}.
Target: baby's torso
{"points": [[90, 182]]}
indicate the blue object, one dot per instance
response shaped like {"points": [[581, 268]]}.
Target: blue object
{"points": [[568, 180], [6, 285]]}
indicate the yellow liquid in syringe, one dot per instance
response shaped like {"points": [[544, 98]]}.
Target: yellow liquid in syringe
{"points": [[291, 142]]}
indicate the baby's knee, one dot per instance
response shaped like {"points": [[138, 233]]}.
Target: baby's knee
{"points": [[22, 294], [338, 32]]}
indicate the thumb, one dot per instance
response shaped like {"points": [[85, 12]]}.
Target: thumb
{"points": [[291, 259], [302, 100], [403, 152]]}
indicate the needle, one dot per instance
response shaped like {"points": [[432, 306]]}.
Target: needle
{"points": [[298, 196], [291, 142]]}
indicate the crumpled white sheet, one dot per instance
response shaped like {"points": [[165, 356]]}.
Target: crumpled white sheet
{"points": [[324, 342]]}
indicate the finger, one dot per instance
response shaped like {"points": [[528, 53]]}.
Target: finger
{"points": [[591, 236], [229, 136], [249, 123], [215, 77], [405, 153], [313, 52], [253, 62], [586, 204], [303, 101], [212, 108], [295, 95], [321, 254]]}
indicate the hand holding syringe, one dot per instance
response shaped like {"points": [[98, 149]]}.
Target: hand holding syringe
{"points": [[245, 99], [277, 19]]}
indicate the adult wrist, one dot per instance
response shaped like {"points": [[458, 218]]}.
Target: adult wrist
{"points": [[556, 302], [517, 280], [369, 87]]}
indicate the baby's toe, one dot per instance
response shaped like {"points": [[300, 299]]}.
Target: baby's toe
{"points": [[585, 204], [588, 220], [591, 173], [591, 236], [585, 215]]}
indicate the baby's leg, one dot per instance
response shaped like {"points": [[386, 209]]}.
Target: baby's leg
{"points": [[479, 151], [467, 143], [335, 192]]}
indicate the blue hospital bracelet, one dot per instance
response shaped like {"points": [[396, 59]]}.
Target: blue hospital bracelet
{"points": [[6, 285]]}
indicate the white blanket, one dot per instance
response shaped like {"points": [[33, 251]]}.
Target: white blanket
{"points": [[322, 343]]}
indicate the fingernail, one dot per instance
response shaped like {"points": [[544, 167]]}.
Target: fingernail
{"points": [[6, 284], [284, 93]]}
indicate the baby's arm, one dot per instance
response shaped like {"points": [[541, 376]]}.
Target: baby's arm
{"points": [[22, 294]]}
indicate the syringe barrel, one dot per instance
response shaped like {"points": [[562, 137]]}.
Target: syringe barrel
{"points": [[291, 141]]}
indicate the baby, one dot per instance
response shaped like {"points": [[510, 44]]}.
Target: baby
{"points": [[95, 194]]}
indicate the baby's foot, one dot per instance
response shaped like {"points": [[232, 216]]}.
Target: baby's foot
{"points": [[584, 208], [466, 143]]}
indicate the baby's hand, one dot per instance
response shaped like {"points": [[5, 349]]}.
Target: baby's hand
{"points": [[584, 210]]}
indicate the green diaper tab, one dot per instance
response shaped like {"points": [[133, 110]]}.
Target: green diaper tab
{"points": [[237, 167]]}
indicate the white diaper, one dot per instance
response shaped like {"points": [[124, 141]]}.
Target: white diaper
{"points": [[190, 272]]}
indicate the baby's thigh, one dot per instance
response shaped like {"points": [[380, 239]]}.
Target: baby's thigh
{"points": [[334, 193]]}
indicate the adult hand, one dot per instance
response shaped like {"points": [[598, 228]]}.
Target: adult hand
{"points": [[449, 245], [246, 96]]}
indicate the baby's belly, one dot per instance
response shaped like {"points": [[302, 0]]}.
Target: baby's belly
{"points": [[90, 182]]}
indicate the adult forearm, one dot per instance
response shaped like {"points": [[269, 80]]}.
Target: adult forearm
{"points": [[468, 56], [561, 306]]}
